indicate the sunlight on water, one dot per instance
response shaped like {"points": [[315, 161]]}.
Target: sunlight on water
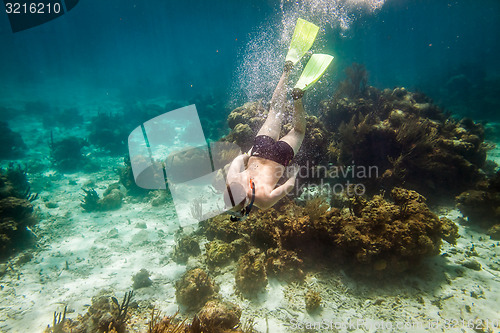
{"points": [[263, 57]]}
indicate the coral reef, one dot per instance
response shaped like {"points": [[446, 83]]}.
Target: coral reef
{"points": [[12, 145], [195, 289], [285, 265], [16, 211], [251, 275], [141, 279], [186, 247], [407, 138], [481, 205], [373, 236]]}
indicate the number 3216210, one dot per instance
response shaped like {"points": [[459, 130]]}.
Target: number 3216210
{"points": [[32, 8]]}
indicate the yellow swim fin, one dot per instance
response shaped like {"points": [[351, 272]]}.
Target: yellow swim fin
{"points": [[316, 66], [302, 40]]}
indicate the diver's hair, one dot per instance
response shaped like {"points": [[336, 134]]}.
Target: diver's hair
{"points": [[238, 194]]}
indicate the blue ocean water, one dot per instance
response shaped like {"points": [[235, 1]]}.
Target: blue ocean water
{"points": [[134, 50]]}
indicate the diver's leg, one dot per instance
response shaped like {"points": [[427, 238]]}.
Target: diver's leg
{"points": [[295, 137], [272, 125]]}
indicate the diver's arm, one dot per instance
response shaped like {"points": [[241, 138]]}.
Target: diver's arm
{"points": [[279, 192]]}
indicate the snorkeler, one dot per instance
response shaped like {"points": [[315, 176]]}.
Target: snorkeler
{"points": [[251, 178]]}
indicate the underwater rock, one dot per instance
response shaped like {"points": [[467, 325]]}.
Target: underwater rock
{"points": [[24, 258], [194, 289], [217, 316], [12, 145], [251, 275], [221, 227], [312, 300], [141, 279], [186, 247], [252, 113], [244, 123], [472, 264], [449, 231], [482, 205]]}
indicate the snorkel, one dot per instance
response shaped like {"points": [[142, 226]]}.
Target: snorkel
{"points": [[243, 213]]}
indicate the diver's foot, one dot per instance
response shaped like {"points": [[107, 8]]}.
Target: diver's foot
{"points": [[297, 93], [288, 66]]}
